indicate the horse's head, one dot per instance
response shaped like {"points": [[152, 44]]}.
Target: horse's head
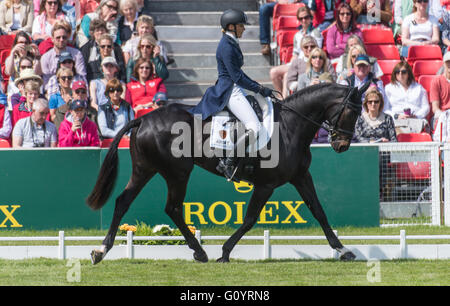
{"points": [[344, 117]]}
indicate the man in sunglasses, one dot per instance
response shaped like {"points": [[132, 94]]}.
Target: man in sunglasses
{"points": [[49, 61]]}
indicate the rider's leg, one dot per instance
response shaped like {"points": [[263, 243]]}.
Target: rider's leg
{"points": [[240, 107]]}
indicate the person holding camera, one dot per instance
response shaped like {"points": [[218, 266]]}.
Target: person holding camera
{"points": [[35, 131], [107, 10], [317, 70], [77, 130], [116, 113]]}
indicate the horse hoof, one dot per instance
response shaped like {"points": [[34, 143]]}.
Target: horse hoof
{"points": [[223, 259], [201, 256], [347, 256], [96, 256]]}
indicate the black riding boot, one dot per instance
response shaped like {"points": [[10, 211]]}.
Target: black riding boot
{"points": [[229, 165]]}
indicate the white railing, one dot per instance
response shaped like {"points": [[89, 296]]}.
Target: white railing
{"points": [[267, 250]]}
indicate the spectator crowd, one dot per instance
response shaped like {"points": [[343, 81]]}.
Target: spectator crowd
{"points": [[329, 46], [78, 70]]}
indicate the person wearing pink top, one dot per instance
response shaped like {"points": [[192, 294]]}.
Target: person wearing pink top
{"points": [[77, 130], [338, 33]]}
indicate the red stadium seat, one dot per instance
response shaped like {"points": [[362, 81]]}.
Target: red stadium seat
{"points": [[429, 52], [413, 170], [383, 52], [425, 81], [4, 143], [142, 112], [286, 23], [124, 143], [386, 78], [6, 42], [387, 65], [414, 137], [422, 67], [286, 43], [289, 9], [378, 36]]}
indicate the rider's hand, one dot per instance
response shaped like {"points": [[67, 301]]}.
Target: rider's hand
{"points": [[265, 92]]}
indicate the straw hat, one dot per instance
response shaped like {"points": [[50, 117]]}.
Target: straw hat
{"points": [[28, 74]]}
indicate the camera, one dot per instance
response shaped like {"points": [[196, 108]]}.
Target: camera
{"points": [[38, 145]]}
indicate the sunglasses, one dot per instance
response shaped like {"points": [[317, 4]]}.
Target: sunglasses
{"points": [[304, 18], [50, 3], [345, 14], [111, 7], [61, 37], [80, 91], [145, 67], [422, 1], [403, 71], [106, 46], [118, 89], [26, 67], [317, 57], [309, 47], [146, 46], [373, 101], [66, 78]]}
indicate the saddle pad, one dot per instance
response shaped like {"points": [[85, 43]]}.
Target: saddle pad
{"points": [[222, 127]]}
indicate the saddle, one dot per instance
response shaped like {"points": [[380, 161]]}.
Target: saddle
{"points": [[224, 124]]}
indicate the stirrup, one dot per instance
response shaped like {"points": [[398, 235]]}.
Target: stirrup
{"points": [[228, 168]]}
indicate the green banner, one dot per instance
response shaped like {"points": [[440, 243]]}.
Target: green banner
{"points": [[46, 189]]}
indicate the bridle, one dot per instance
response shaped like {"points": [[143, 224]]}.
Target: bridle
{"points": [[330, 127]]}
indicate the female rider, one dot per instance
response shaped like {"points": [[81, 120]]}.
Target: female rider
{"points": [[228, 91]]}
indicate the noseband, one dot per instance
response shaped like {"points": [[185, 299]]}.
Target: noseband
{"points": [[332, 128]]}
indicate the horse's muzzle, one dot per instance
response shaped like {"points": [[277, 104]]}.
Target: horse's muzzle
{"points": [[340, 145]]}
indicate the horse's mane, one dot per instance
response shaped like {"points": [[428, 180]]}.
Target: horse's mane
{"points": [[311, 93]]}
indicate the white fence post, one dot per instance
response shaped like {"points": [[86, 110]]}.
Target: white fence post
{"points": [[267, 253], [130, 254], [403, 245], [435, 164], [61, 246], [446, 158]]}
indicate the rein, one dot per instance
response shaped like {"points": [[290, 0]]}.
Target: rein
{"points": [[332, 129]]}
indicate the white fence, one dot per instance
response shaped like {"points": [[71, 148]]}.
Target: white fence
{"points": [[267, 250]]}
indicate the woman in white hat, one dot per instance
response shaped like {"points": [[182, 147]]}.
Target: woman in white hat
{"points": [[97, 87]]}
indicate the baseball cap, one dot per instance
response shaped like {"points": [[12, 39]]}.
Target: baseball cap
{"points": [[159, 98], [64, 56], [362, 59], [78, 104], [109, 60], [78, 84]]}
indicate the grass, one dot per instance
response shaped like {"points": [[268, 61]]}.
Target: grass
{"points": [[53, 272], [50, 272]]}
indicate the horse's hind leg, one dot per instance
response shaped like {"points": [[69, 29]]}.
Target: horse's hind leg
{"points": [[123, 202], [257, 202], [174, 209], [305, 186]]}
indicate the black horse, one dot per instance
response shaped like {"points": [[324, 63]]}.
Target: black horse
{"points": [[299, 118]]}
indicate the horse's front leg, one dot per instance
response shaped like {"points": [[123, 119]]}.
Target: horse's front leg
{"points": [[174, 209], [259, 198], [305, 186]]}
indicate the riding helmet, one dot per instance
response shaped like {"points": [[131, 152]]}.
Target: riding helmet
{"points": [[233, 16]]}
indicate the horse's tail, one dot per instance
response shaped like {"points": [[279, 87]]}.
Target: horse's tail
{"points": [[108, 172]]}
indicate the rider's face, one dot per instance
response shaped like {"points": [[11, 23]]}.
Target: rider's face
{"points": [[240, 28]]}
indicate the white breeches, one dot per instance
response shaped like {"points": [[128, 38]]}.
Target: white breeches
{"points": [[240, 107]]}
